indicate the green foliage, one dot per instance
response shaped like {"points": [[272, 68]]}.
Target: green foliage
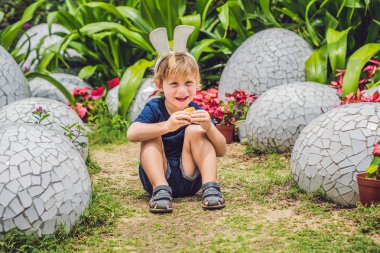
{"points": [[105, 127]]}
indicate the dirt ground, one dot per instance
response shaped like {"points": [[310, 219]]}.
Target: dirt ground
{"points": [[248, 223]]}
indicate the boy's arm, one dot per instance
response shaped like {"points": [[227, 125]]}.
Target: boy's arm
{"points": [[139, 131]]}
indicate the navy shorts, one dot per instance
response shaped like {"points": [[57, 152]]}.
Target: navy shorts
{"points": [[181, 184]]}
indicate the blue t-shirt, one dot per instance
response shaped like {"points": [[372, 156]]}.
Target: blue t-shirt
{"points": [[154, 112]]}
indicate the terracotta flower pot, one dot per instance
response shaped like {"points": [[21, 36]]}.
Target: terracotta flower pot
{"points": [[227, 131], [369, 189]]}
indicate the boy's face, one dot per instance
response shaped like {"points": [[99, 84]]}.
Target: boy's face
{"points": [[179, 91]]}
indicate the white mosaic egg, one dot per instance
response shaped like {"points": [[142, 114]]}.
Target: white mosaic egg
{"points": [[37, 34], [267, 59], [13, 85], [60, 115], [372, 91], [42, 88], [44, 182], [277, 117], [142, 96], [333, 148]]}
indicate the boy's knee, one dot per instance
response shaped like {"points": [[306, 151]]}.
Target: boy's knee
{"points": [[194, 131]]}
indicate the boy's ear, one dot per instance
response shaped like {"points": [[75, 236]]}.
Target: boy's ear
{"points": [[158, 85]]}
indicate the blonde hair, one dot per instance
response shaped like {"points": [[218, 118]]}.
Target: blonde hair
{"points": [[176, 64]]}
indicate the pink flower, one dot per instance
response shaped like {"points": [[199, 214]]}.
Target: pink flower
{"points": [[81, 110], [81, 92], [376, 150], [97, 93], [113, 83], [26, 25], [26, 69]]}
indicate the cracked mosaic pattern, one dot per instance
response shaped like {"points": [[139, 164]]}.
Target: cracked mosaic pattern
{"points": [[13, 85], [277, 117], [42, 88], [333, 148], [142, 97], [38, 33], [60, 115], [267, 59], [44, 182], [372, 90]]}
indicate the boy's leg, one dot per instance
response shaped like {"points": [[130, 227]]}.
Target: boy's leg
{"points": [[198, 153], [153, 161]]}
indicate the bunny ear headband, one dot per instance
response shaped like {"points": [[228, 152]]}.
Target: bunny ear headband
{"points": [[160, 42]]}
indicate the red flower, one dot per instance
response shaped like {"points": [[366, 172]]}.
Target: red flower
{"points": [[81, 92], [81, 110], [376, 150], [97, 93], [113, 83]]}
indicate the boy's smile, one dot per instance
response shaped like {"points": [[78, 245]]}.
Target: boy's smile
{"points": [[179, 91]]}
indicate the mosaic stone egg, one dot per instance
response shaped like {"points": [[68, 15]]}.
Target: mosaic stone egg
{"points": [[333, 148], [267, 59], [142, 97], [277, 117], [38, 33], [42, 88], [44, 182], [372, 90], [59, 115], [13, 85]]}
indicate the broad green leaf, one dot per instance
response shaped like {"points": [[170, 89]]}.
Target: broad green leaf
{"points": [[309, 28], [265, 5], [202, 7], [230, 15], [291, 14], [135, 17], [54, 82], [330, 21], [203, 45], [337, 48], [192, 20], [134, 37], [87, 71], [9, 34], [376, 161], [130, 83], [355, 65], [169, 10], [372, 171], [316, 66], [149, 12]]}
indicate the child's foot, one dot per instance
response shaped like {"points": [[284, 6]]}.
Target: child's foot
{"points": [[161, 201], [212, 198]]}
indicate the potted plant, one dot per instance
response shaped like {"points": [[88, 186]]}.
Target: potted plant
{"points": [[369, 181], [239, 102], [225, 114]]}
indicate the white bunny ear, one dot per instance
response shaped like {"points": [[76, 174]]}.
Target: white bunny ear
{"points": [[159, 40], [181, 35]]}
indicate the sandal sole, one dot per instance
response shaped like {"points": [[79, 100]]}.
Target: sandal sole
{"points": [[218, 207], [152, 210]]}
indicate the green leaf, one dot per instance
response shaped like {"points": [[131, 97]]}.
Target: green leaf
{"points": [[130, 83], [1, 16], [309, 28], [151, 14], [230, 15], [316, 66], [265, 5], [134, 37], [337, 48], [57, 84], [135, 17], [355, 65], [372, 171], [87, 71], [202, 6], [9, 34], [204, 44]]}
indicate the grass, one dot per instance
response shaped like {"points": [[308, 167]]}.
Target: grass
{"points": [[266, 212]]}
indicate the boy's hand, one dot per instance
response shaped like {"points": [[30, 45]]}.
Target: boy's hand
{"points": [[177, 120], [202, 118]]}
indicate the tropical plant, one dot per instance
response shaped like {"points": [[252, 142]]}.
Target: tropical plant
{"points": [[373, 171]]}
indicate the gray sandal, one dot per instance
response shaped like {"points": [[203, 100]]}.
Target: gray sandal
{"points": [[212, 198], [161, 201]]}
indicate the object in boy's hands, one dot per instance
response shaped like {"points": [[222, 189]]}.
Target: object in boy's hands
{"points": [[189, 110]]}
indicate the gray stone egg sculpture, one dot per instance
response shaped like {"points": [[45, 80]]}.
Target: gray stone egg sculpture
{"points": [[267, 59], [333, 148], [44, 182], [277, 117], [13, 85], [60, 115]]}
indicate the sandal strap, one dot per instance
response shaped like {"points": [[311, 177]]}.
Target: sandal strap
{"points": [[208, 185], [162, 192]]}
